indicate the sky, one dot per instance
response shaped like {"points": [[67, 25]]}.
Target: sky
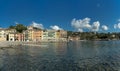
{"points": [[73, 15]]}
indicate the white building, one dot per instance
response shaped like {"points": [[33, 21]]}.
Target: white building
{"points": [[11, 37], [49, 35], [45, 35]]}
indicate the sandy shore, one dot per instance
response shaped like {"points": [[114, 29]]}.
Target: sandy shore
{"points": [[9, 43], [30, 43]]}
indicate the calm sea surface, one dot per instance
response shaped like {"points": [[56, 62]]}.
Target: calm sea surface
{"points": [[71, 56]]}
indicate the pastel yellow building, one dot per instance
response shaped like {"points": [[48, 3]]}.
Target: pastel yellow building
{"points": [[30, 35], [61, 35], [45, 35], [58, 34], [10, 31], [3, 35]]}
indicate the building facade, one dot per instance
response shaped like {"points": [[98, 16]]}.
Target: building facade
{"points": [[3, 35], [52, 35], [62, 35], [11, 37], [45, 35], [33, 34]]}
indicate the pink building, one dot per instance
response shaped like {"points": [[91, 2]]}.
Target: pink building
{"points": [[19, 37]]}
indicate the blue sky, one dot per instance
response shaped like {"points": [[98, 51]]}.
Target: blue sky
{"points": [[60, 13]]}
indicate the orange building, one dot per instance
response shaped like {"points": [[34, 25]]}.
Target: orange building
{"points": [[37, 35], [32, 35]]}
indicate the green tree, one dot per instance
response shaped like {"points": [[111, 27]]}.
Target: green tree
{"points": [[20, 28], [11, 27]]}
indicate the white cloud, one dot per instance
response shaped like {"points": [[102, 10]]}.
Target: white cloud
{"points": [[55, 27], [117, 26], [95, 26], [104, 27], [81, 24], [37, 25]]}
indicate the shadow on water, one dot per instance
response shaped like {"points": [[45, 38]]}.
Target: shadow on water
{"points": [[68, 56]]}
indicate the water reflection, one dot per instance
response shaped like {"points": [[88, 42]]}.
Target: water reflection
{"points": [[71, 56]]}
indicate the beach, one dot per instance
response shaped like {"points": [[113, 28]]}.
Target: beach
{"points": [[25, 43]]}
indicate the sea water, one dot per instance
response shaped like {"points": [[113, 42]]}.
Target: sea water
{"points": [[63, 56]]}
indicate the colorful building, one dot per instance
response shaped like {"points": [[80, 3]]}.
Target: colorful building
{"points": [[3, 35], [11, 37], [30, 34], [62, 35], [37, 35], [33, 34], [10, 31], [52, 35], [19, 37], [45, 35]]}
